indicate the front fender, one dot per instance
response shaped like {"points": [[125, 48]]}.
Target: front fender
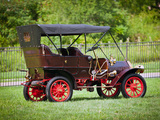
{"points": [[125, 72]]}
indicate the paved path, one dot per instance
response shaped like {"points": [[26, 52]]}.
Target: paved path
{"points": [[10, 83], [150, 75]]}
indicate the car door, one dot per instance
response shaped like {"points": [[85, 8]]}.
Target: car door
{"points": [[71, 64]]}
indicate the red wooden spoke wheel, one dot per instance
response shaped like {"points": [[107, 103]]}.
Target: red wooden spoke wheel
{"points": [[35, 93], [108, 92], [134, 86], [59, 89]]}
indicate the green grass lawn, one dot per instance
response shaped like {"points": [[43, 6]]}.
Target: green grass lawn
{"points": [[83, 106]]}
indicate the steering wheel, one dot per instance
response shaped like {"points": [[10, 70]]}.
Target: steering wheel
{"points": [[92, 48]]}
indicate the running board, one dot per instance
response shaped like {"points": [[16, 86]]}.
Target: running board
{"points": [[83, 87]]}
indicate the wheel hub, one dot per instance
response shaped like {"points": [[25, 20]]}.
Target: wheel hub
{"points": [[37, 93], [60, 91], [133, 87]]}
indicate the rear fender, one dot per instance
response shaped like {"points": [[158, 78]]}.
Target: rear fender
{"points": [[65, 74], [121, 75]]}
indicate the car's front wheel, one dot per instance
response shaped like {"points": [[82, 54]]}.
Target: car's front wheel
{"points": [[133, 86], [59, 89]]}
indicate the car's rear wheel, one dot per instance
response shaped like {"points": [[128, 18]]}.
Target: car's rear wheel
{"points": [[34, 93], [133, 86], [108, 92], [59, 89]]}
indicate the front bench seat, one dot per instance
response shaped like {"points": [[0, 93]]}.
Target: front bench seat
{"points": [[73, 51], [63, 51]]}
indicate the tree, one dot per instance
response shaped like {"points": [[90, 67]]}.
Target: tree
{"points": [[13, 14], [137, 6], [92, 12]]}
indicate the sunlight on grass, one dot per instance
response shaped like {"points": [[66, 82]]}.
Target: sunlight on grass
{"points": [[83, 106]]}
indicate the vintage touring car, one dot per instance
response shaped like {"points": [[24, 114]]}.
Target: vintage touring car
{"points": [[54, 76]]}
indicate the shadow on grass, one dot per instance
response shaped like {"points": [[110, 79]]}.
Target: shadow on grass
{"points": [[91, 98], [150, 96], [101, 98]]}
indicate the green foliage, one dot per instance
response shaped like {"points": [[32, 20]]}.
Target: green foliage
{"points": [[143, 22], [127, 18], [136, 6], [145, 26], [3, 41], [13, 14], [101, 13]]}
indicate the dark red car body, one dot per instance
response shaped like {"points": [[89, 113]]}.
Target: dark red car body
{"points": [[54, 76]]}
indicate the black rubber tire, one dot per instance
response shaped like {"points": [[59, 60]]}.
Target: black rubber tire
{"points": [[55, 79], [100, 92], [25, 92], [124, 82]]}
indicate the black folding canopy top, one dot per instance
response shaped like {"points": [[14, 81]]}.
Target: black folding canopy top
{"points": [[72, 29], [30, 35]]}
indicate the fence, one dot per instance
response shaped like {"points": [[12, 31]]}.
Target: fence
{"points": [[144, 53]]}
